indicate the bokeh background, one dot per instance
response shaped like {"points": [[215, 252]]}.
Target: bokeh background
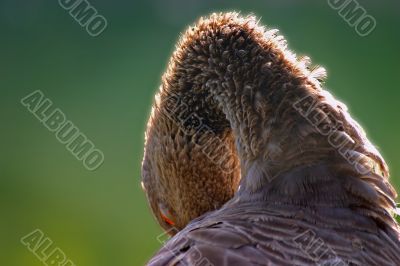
{"points": [[105, 85]]}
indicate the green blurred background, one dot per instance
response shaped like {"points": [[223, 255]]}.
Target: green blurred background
{"points": [[105, 85]]}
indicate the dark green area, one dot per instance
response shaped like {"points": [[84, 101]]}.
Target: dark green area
{"points": [[105, 86]]}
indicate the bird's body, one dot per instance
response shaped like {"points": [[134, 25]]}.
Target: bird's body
{"points": [[255, 231], [313, 189]]}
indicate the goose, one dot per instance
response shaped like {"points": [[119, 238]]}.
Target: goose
{"points": [[250, 161]]}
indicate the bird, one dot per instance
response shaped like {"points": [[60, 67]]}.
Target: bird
{"points": [[249, 160]]}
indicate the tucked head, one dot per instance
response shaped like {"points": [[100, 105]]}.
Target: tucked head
{"points": [[190, 165]]}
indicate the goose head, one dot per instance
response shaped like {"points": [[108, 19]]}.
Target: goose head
{"points": [[190, 164]]}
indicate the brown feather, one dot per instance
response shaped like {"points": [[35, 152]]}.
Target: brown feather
{"points": [[307, 169]]}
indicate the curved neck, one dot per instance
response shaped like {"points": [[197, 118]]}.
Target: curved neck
{"points": [[242, 78], [239, 77]]}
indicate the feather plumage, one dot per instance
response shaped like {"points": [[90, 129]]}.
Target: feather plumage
{"points": [[313, 189]]}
